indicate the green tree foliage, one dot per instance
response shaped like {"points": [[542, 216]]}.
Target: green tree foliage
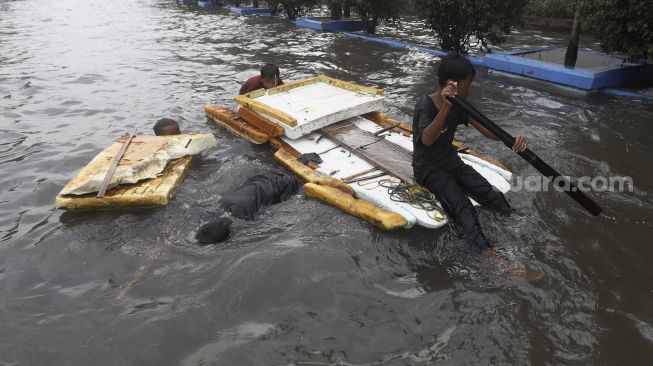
{"points": [[274, 5], [462, 24], [346, 8], [374, 11], [550, 8], [335, 8], [623, 26], [295, 8], [338, 8]]}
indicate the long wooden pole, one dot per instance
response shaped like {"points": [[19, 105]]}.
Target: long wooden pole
{"points": [[114, 164], [563, 182]]}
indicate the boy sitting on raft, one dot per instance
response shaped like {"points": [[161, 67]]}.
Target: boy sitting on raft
{"points": [[166, 127], [269, 78], [435, 161], [245, 202]]}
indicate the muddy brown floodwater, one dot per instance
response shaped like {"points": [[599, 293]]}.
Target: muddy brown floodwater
{"points": [[305, 284]]}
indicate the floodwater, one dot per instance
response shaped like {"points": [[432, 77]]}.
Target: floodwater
{"points": [[304, 284]]}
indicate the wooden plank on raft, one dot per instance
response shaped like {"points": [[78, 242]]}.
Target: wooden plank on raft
{"points": [[376, 150], [384, 121], [406, 129], [114, 164], [260, 122], [232, 122]]}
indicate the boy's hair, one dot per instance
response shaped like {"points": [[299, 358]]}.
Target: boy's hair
{"points": [[456, 67], [163, 123], [214, 231], [269, 71]]}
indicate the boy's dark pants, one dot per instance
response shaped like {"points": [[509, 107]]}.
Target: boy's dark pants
{"points": [[451, 184]]}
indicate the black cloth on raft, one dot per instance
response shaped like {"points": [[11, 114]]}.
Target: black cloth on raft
{"points": [[439, 168], [310, 157], [260, 191]]}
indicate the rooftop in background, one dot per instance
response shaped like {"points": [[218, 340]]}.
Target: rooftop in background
{"points": [[593, 70]]}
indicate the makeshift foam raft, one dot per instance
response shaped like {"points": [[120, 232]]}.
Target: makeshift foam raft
{"points": [[147, 174], [366, 157]]}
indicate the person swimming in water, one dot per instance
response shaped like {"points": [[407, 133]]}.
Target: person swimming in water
{"points": [[269, 78], [166, 127], [245, 203]]}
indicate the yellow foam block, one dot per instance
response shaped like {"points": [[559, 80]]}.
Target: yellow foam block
{"points": [[148, 193], [232, 122], [360, 208], [309, 175]]}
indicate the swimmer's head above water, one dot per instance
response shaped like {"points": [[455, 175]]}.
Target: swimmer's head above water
{"points": [[215, 231], [166, 127], [270, 76]]}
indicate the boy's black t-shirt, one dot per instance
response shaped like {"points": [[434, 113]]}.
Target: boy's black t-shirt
{"points": [[260, 191], [441, 150]]}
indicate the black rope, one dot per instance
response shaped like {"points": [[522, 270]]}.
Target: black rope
{"points": [[414, 195]]}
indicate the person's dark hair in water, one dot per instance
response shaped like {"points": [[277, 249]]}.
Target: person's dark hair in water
{"points": [[456, 67], [166, 127], [214, 232], [270, 75], [270, 71]]}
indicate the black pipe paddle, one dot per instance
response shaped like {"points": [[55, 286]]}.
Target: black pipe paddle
{"points": [[544, 168]]}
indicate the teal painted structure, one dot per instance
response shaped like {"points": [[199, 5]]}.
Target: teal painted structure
{"points": [[251, 11], [207, 4], [586, 78], [326, 24], [401, 44]]}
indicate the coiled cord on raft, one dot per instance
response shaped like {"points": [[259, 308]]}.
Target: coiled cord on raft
{"points": [[414, 195]]}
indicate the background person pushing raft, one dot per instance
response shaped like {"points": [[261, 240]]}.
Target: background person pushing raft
{"points": [[269, 78], [245, 202], [436, 163]]}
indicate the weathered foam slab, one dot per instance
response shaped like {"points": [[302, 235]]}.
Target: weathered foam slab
{"points": [[318, 105], [467, 158], [145, 158], [147, 193]]}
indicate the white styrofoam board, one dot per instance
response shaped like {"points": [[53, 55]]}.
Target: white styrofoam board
{"points": [[318, 105]]}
